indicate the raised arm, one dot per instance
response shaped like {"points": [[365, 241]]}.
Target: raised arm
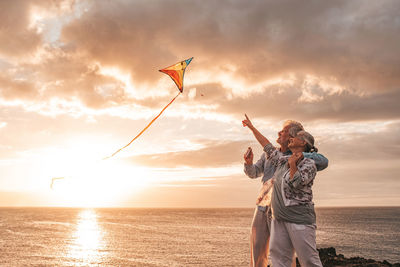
{"points": [[321, 162], [260, 138]]}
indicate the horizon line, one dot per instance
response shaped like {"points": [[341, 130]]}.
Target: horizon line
{"points": [[180, 207]]}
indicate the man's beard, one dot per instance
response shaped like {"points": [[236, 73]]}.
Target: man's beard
{"points": [[282, 143], [279, 141]]}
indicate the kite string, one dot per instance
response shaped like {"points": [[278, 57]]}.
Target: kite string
{"points": [[148, 125]]}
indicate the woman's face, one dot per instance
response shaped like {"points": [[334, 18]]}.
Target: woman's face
{"points": [[296, 142]]}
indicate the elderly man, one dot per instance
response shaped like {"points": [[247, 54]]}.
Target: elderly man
{"points": [[261, 224]]}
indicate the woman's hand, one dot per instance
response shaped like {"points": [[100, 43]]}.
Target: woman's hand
{"points": [[294, 159], [247, 122]]}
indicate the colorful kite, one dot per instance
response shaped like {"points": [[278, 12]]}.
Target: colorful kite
{"points": [[176, 72]]}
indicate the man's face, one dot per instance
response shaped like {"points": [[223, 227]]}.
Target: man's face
{"points": [[283, 136]]}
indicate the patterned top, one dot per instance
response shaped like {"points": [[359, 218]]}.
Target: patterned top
{"points": [[298, 190], [263, 167], [291, 199]]}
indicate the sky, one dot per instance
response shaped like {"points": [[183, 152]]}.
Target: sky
{"points": [[79, 79]]}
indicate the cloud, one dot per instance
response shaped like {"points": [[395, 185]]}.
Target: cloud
{"points": [[281, 101], [269, 49], [16, 89], [66, 77], [260, 39], [63, 76], [15, 35], [21, 34], [213, 154], [379, 148]]}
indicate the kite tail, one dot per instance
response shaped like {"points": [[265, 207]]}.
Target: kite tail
{"points": [[148, 125]]}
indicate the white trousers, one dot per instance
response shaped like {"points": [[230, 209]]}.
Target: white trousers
{"points": [[259, 238], [287, 237]]}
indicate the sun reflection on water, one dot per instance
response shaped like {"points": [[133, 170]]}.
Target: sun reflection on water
{"points": [[87, 245]]}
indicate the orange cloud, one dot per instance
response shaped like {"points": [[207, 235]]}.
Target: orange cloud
{"points": [[238, 45]]}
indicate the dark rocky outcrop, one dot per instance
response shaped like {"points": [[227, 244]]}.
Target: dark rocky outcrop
{"points": [[329, 258]]}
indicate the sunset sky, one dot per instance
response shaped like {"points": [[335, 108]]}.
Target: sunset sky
{"points": [[79, 79]]}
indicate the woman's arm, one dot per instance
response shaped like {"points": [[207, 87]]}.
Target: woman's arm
{"points": [[305, 173], [293, 160]]}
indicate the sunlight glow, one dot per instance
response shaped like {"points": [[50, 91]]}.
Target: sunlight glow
{"points": [[87, 239], [90, 181]]}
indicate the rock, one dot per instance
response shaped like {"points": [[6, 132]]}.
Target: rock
{"points": [[329, 258]]}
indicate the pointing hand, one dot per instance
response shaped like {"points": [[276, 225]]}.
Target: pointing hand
{"points": [[247, 122]]}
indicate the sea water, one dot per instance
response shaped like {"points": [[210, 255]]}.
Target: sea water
{"points": [[175, 237]]}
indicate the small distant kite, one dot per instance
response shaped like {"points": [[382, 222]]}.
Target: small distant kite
{"points": [[176, 72], [54, 179]]}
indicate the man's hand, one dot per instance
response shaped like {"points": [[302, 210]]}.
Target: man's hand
{"points": [[247, 122], [294, 159], [260, 138], [248, 156]]}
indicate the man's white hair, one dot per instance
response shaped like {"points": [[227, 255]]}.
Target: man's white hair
{"points": [[294, 127]]}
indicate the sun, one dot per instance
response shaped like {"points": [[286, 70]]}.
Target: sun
{"points": [[89, 181], [100, 185]]}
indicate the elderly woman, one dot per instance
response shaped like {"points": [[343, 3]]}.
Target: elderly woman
{"points": [[293, 224]]}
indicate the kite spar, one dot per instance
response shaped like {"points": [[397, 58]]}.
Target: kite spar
{"points": [[176, 72], [54, 179]]}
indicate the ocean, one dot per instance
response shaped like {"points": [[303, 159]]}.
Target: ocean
{"points": [[175, 237]]}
